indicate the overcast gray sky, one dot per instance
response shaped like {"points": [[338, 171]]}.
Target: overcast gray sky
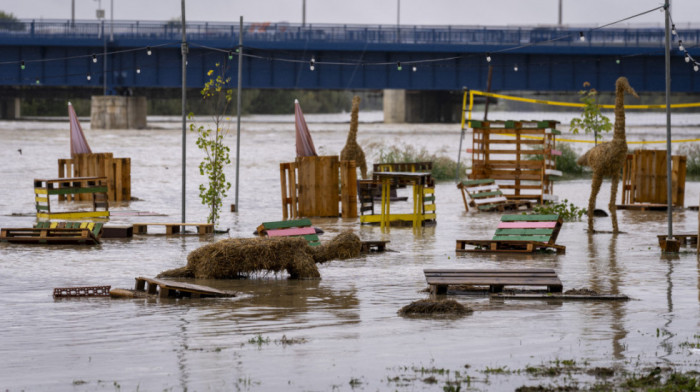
{"points": [[413, 12]]}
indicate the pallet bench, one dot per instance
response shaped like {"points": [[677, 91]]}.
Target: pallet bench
{"points": [[69, 187], [53, 236], [97, 228], [290, 228], [486, 195], [440, 279], [519, 233], [168, 288], [175, 228]]}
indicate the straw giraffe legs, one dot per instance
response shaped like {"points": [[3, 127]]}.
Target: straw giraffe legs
{"points": [[595, 188], [613, 208]]}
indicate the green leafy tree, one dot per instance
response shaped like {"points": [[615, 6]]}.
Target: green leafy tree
{"points": [[591, 120], [10, 22], [211, 142]]}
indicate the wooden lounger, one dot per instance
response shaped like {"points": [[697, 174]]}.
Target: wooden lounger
{"points": [[486, 195], [519, 233], [440, 279]]}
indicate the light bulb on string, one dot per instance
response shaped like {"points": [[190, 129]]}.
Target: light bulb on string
{"points": [[680, 46], [687, 57], [88, 76], [515, 68], [617, 60], [488, 57], [415, 68], [581, 36], [696, 67], [138, 69], [38, 82], [398, 66], [230, 55], [94, 58], [22, 66], [312, 64], [673, 29], [148, 50]]}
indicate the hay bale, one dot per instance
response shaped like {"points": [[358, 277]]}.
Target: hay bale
{"points": [[240, 257], [345, 245], [430, 307]]}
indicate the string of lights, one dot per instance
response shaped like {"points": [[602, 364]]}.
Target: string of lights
{"points": [[688, 58]]}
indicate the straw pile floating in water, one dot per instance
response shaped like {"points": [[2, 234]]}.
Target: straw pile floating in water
{"points": [[239, 257], [430, 307]]}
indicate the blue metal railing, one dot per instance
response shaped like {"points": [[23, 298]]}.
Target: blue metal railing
{"points": [[371, 34]]}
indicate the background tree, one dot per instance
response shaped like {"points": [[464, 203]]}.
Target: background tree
{"points": [[210, 141], [591, 119]]}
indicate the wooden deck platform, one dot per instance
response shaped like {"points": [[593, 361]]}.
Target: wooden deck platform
{"points": [[175, 228], [85, 291], [643, 207], [684, 239], [440, 279], [373, 246], [169, 288]]}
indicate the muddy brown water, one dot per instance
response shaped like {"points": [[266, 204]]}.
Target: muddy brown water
{"points": [[341, 332]]}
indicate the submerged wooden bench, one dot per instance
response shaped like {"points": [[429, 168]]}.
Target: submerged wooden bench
{"points": [[56, 236], [440, 279], [174, 228], [168, 288], [97, 228], [519, 233], [290, 228], [85, 291], [486, 195], [369, 246]]}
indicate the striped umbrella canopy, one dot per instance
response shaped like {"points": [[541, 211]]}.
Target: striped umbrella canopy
{"points": [[305, 145], [78, 144]]}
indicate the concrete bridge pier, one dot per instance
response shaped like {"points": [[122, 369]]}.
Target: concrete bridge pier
{"points": [[406, 106], [10, 108], [117, 112]]}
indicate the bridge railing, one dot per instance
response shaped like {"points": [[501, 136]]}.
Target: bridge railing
{"points": [[372, 34]]}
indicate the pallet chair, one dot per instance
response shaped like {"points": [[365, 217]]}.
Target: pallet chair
{"points": [[95, 227], [290, 228], [519, 234], [486, 195]]}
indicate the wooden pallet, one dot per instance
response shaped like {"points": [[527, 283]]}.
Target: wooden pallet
{"points": [[97, 228], [47, 236], [168, 288], [519, 233], [440, 279], [95, 187], [376, 246], [175, 228], [684, 239], [486, 195], [86, 291]]}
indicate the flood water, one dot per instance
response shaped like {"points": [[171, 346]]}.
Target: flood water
{"points": [[341, 332]]}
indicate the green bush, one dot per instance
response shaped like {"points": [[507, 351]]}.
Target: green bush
{"points": [[567, 211], [566, 162], [692, 152], [444, 168]]}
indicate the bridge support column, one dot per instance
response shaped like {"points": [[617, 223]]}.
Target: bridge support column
{"points": [[402, 106], [10, 108], [117, 112]]}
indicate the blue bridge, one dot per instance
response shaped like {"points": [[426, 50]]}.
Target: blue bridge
{"points": [[146, 55]]}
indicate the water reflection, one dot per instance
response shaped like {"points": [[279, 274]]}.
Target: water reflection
{"points": [[605, 278]]}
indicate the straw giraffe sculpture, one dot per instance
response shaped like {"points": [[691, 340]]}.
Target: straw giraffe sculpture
{"points": [[352, 151], [607, 159]]}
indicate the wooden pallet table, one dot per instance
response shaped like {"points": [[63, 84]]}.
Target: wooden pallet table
{"points": [[96, 187], [168, 288], [440, 279], [373, 246], [85, 291], [684, 239], [423, 198], [175, 228]]}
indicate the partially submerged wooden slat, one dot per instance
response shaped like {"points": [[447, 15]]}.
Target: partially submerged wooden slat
{"points": [[440, 279], [527, 225], [85, 291], [165, 288]]}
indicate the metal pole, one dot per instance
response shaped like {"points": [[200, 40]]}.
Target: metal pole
{"points": [[398, 13], [238, 105], [560, 13], [669, 191], [104, 60], [72, 13], [183, 49], [303, 13], [111, 20]]}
